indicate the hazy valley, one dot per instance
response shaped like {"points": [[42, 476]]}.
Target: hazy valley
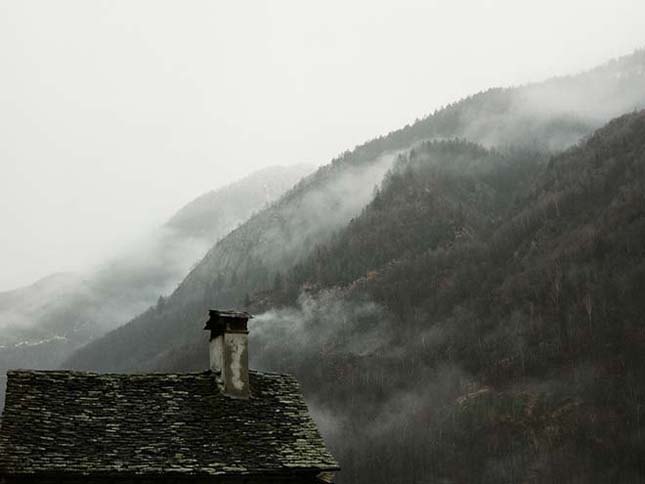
{"points": [[42, 324]]}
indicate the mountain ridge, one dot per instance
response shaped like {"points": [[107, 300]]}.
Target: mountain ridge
{"points": [[250, 257]]}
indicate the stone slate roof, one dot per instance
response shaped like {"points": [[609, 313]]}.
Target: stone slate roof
{"points": [[150, 424]]}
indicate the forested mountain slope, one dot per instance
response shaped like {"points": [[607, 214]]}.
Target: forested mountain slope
{"points": [[251, 258], [244, 261], [503, 342]]}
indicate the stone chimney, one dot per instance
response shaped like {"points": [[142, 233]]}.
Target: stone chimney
{"points": [[228, 350]]}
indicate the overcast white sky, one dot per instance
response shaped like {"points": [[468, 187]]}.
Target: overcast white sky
{"points": [[115, 113]]}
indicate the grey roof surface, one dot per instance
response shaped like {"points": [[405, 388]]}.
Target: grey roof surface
{"points": [[88, 423]]}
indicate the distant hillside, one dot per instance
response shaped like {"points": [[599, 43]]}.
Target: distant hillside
{"points": [[548, 116], [217, 212], [40, 325], [34, 299], [21, 337]]}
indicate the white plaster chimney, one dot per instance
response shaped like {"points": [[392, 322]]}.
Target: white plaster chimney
{"points": [[228, 351]]}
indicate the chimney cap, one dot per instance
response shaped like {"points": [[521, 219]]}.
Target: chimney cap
{"points": [[219, 319]]}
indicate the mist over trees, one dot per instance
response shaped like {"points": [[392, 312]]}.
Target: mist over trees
{"points": [[255, 257], [42, 324], [513, 348]]}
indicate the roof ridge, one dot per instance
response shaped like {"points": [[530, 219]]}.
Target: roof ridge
{"points": [[116, 374]]}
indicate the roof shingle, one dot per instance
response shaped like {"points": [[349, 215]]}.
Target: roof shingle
{"points": [[147, 424]]}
